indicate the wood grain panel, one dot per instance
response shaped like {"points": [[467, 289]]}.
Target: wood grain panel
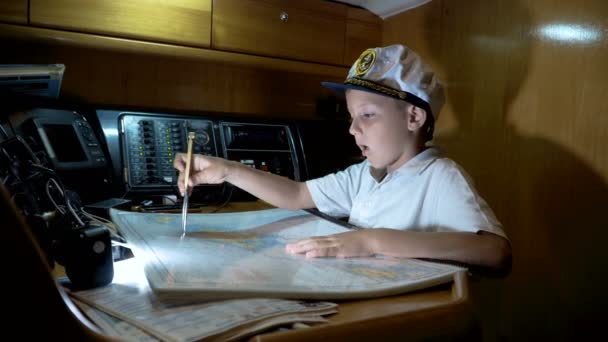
{"points": [[363, 31], [186, 22], [314, 30], [50, 37], [130, 80], [13, 11], [526, 116]]}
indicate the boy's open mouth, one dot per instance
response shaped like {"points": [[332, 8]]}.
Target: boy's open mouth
{"points": [[364, 150]]}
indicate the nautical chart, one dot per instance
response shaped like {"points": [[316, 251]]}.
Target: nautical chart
{"points": [[243, 255]]}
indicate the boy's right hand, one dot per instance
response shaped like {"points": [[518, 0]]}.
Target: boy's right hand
{"points": [[203, 170]]}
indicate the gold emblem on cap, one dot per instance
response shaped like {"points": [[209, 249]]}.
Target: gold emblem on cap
{"points": [[365, 61]]}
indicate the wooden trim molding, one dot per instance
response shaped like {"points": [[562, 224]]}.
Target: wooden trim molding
{"points": [[59, 37]]}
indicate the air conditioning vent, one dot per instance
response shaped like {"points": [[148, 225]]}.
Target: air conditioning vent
{"points": [[38, 80]]}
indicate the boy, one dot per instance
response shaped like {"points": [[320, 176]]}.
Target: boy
{"points": [[420, 205]]}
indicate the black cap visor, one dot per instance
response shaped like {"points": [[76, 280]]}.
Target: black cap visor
{"points": [[340, 89]]}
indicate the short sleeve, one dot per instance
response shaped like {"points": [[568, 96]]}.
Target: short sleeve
{"points": [[333, 194], [460, 207]]}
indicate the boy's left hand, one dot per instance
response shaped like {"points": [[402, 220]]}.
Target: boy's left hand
{"points": [[342, 245]]}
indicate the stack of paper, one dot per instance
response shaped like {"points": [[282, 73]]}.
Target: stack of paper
{"points": [[233, 274], [127, 309]]}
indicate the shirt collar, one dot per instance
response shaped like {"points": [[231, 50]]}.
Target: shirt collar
{"points": [[414, 166], [420, 162]]}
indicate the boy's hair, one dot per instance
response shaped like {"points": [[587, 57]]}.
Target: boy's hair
{"points": [[398, 72], [428, 129]]}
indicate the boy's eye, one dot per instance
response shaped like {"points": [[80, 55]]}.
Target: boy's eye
{"points": [[368, 115]]}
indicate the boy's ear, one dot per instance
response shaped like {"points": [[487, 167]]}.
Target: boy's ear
{"points": [[416, 117]]}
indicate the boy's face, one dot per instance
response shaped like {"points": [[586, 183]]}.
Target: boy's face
{"points": [[382, 128]]}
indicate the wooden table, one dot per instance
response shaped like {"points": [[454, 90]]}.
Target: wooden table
{"points": [[438, 313]]}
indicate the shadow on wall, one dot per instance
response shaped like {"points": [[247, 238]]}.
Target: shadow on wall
{"points": [[554, 207]]}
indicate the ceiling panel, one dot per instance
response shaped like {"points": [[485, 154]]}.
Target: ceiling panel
{"points": [[386, 8]]}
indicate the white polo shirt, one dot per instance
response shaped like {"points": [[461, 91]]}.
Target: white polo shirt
{"points": [[428, 193]]}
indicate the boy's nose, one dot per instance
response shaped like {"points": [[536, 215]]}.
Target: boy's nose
{"points": [[354, 127]]}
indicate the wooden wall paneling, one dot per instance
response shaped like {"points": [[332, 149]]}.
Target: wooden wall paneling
{"points": [[13, 11], [314, 30], [363, 31], [186, 22], [526, 85], [57, 38], [129, 80]]}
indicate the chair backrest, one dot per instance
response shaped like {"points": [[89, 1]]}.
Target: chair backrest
{"points": [[36, 305]]}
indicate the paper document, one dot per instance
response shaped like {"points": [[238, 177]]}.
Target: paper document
{"points": [[127, 308], [243, 255], [113, 326]]}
